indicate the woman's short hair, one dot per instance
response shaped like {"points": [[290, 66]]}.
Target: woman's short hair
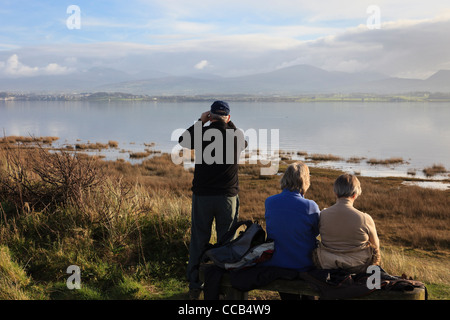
{"points": [[296, 178], [346, 186]]}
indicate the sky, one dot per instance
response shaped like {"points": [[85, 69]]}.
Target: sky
{"points": [[398, 38]]}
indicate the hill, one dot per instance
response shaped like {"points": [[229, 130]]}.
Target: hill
{"points": [[294, 80]]}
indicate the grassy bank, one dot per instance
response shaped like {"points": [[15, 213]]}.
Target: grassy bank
{"points": [[127, 226]]}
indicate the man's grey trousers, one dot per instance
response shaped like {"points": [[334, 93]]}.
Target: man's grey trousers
{"points": [[225, 210]]}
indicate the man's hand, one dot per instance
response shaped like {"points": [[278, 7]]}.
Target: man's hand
{"points": [[205, 117]]}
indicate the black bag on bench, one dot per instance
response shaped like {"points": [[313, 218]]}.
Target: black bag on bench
{"points": [[247, 249]]}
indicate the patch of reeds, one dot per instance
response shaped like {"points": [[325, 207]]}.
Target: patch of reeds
{"points": [[393, 160], [139, 155], [323, 157], [113, 144], [435, 169], [355, 159], [91, 146], [27, 140]]}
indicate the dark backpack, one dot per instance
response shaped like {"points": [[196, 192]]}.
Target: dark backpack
{"points": [[247, 249]]}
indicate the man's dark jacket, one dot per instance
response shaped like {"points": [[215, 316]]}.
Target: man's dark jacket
{"points": [[219, 177]]}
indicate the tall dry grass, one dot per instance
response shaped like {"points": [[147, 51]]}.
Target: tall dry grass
{"points": [[417, 264]]}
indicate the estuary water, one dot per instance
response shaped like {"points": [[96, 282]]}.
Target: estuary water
{"points": [[419, 133]]}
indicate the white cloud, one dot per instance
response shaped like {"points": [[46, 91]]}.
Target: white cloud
{"points": [[412, 48], [13, 67], [54, 68], [201, 65]]}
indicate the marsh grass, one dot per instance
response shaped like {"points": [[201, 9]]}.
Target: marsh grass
{"points": [[393, 160], [435, 169], [129, 231], [113, 144], [355, 159], [139, 155], [323, 157], [92, 146], [27, 140]]}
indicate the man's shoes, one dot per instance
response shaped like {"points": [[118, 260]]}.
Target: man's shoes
{"points": [[194, 294]]}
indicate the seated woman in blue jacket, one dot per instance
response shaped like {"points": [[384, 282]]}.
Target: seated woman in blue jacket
{"points": [[292, 221]]}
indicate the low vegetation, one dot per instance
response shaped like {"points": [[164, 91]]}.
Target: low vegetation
{"points": [[355, 159], [92, 146], [138, 155], [127, 226], [323, 157], [27, 140], [434, 170], [113, 144], [394, 160]]}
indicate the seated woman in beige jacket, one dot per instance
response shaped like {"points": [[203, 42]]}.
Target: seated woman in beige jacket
{"points": [[349, 238]]}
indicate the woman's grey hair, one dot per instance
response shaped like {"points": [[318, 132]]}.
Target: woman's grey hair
{"points": [[218, 117], [346, 186], [296, 178]]}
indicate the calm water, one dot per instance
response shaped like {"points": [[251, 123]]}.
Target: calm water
{"points": [[417, 132]]}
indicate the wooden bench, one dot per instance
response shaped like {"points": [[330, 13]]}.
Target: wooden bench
{"points": [[301, 287]]}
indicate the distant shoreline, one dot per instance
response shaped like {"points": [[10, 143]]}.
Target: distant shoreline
{"points": [[313, 97]]}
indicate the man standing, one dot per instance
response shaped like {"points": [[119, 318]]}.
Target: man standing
{"points": [[215, 185]]}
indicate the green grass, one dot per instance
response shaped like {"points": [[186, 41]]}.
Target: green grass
{"points": [[438, 291]]}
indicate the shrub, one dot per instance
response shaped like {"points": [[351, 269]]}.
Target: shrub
{"points": [[39, 178]]}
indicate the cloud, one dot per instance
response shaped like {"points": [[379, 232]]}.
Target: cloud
{"points": [[404, 48], [413, 48], [54, 69], [13, 67], [201, 65]]}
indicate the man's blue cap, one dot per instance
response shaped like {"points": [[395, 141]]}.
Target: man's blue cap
{"points": [[220, 108]]}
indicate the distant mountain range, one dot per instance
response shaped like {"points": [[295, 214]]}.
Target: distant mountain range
{"points": [[300, 79]]}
